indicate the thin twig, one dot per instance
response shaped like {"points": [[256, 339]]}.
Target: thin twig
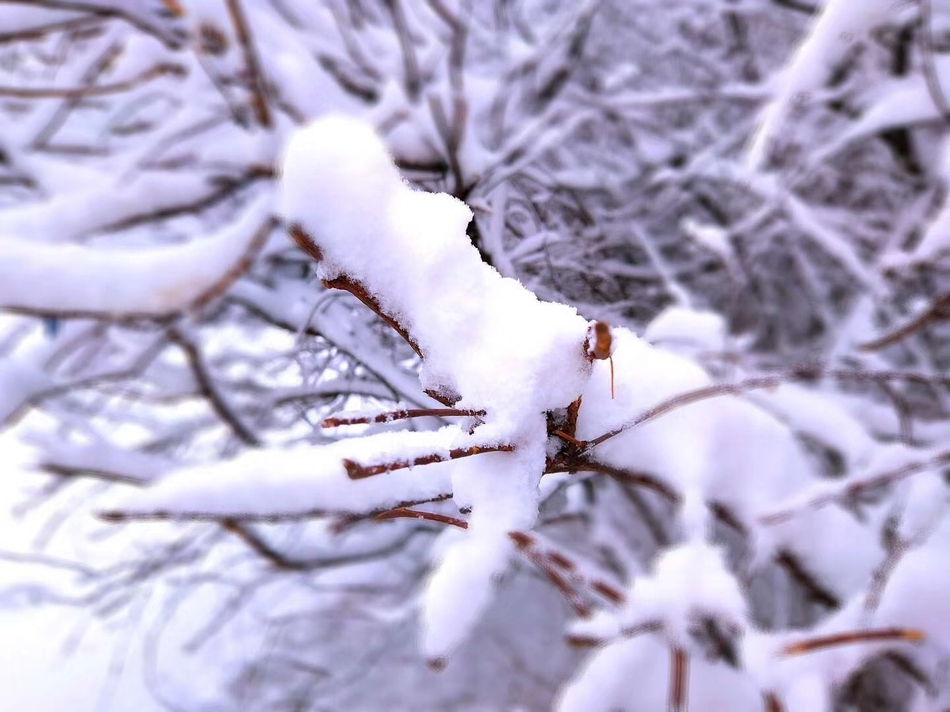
{"points": [[252, 61], [526, 545], [911, 635], [406, 513], [679, 679], [805, 372], [209, 389], [852, 489], [358, 471], [939, 310], [337, 421], [117, 515], [95, 89]]}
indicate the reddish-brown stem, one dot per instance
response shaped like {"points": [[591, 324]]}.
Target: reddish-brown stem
{"points": [[935, 312], [569, 438], [561, 561], [809, 645], [306, 243], [772, 703], [369, 301], [639, 478], [592, 641], [252, 61], [679, 679], [526, 545], [357, 471], [335, 422], [609, 592], [344, 519], [406, 513]]}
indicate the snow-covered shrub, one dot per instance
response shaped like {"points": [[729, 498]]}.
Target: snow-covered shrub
{"points": [[733, 492]]}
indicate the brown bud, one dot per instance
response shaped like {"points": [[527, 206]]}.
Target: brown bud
{"points": [[599, 341]]}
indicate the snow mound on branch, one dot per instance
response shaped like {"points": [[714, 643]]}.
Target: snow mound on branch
{"points": [[154, 281], [296, 481], [482, 336], [726, 449]]}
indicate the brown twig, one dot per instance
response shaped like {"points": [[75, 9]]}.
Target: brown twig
{"points": [[243, 264], [642, 479], [590, 641], [117, 516], [771, 702], [804, 372], [358, 471], [807, 581], [368, 300], [526, 545], [310, 246], [679, 679], [562, 561], [337, 421], [209, 388], [252, 61], [260, 546], [59, 117], [98, 10], [406, 513], [911, 635], [939, 310]]}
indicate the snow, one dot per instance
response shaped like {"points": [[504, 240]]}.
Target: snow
{"points": [[149, 280], [703, 329], [460, 589], [818, 416], [634, 675], [297, 481], [410, 249], [19, 380], [840, 23], [689, 579]]}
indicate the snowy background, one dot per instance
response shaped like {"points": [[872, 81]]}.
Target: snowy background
{"points": [[453, 355]]}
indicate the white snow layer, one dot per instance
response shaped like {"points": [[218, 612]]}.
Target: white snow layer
{"points": [[70, 278], [296, 481], [482, 336]]}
